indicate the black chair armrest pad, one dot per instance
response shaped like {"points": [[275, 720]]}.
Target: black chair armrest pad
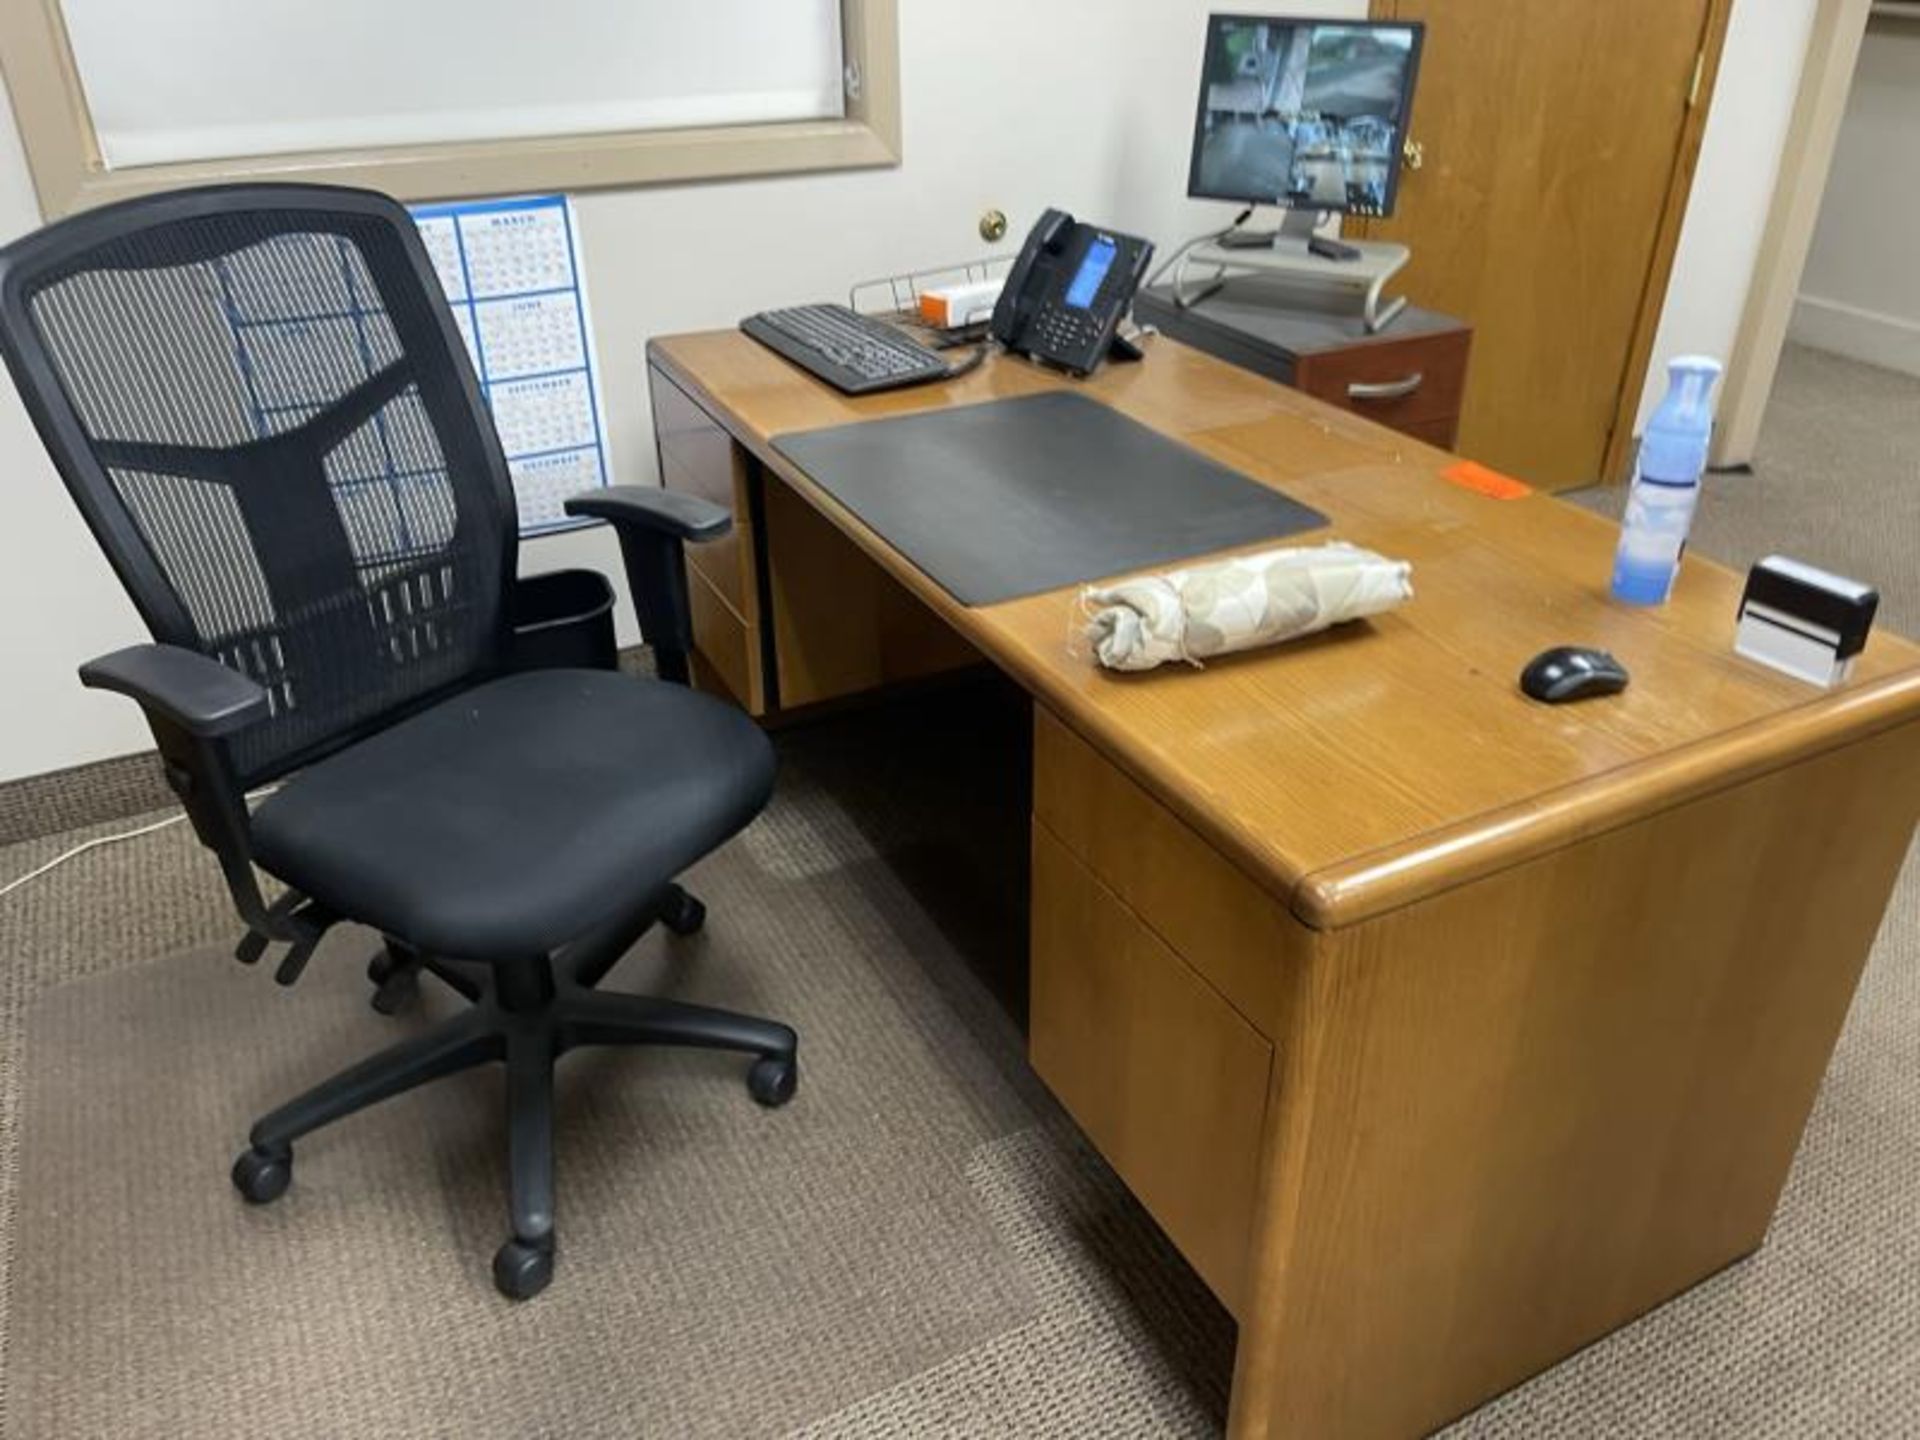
{"points": [[649, 507], [201, 696]]}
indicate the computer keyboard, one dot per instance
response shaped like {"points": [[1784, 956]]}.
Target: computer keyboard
{"points": [[851, 352]]}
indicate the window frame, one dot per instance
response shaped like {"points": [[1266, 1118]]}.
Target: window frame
{"points": [[57, 132]]}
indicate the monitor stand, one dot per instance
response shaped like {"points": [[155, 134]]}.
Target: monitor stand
{"points": [[1295, 230], [1338, 284]]}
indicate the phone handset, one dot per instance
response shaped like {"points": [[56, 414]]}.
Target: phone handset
{"points": [[1019, 296]]}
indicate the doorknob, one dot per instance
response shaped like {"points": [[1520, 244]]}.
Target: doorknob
{"points": [[1414, 153]]}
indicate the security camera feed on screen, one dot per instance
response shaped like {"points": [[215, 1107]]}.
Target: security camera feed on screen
{"points": [[1304, 114]]}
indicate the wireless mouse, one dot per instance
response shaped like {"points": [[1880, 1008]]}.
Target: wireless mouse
{"points": [[1572, 672]]}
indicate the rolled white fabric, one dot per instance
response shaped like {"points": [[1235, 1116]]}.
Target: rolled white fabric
{"points": [[1238, 604]]}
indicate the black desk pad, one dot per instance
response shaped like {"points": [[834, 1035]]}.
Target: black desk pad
{"points": [[1014, 497]]}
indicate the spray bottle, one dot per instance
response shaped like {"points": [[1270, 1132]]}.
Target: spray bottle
{"points": [[1666, 484]]}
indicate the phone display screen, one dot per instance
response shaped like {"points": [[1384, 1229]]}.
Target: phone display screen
{"points": [[1093, 269]]}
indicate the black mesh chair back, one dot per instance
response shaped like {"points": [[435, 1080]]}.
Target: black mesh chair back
{"points": [[258, 399]]}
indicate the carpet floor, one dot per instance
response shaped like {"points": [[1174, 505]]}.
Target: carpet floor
{"points": [[921, 1244]]}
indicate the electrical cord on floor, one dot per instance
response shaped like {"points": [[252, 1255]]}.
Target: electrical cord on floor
{"points": [[99, 840], [81, 849]]}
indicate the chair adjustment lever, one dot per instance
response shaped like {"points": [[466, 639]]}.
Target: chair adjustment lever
{"points": [[300, 922], [254, 943], [312, 921]]}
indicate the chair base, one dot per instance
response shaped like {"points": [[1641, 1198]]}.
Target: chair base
{"points": [[527, 1015]]}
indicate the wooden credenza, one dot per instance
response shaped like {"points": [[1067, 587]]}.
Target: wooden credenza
{"points": [[1411, 377]]}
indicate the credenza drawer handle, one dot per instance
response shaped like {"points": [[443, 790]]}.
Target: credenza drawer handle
{"points": [[1385, 389]]}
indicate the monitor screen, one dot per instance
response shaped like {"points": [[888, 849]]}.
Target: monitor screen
{"points": [[1306, 113]]}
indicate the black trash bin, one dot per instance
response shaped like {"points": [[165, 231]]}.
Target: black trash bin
{"points": [[564, 620]]}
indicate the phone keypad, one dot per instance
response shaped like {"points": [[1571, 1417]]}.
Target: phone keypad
{"points": [[1065, 334]]}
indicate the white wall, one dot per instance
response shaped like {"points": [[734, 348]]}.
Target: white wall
{"points": [[59, 604], [1092, 110], [1088, 111], [1733, 186], [1860, 290]]}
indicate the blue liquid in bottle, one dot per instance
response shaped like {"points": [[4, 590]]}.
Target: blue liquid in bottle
{"points": [[1666, 484]]}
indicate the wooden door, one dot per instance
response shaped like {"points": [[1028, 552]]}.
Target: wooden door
{"points": [[1558, 139]]}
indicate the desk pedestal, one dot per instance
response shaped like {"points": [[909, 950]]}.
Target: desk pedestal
{"points": [[1497, 1123]]}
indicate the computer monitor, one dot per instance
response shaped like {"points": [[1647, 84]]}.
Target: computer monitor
{"points": [[1309, 114]]}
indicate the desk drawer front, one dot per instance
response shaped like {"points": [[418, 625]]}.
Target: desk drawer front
{"points": [[1239, 938], [697, 457], [728, 644], [728, 561], [1164, 1077], [1396, 382], [1439, 433], [685, 432]]}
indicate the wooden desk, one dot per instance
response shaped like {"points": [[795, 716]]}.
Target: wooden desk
{"points": [[1442, 1031]]}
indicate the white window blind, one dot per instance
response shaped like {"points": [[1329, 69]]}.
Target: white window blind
{"points": [[214, 79]]}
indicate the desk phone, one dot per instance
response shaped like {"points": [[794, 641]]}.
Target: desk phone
{"points": [[1066, 294]]}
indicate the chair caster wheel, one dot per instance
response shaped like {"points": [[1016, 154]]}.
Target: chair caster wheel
{"points": [[395, 980], [394, 994], [521, 1271], [681, 913], [773, 1079], [384, 965], [261, 1176]]}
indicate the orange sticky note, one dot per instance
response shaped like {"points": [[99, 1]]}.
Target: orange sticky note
{"points": [[1472, 475]]}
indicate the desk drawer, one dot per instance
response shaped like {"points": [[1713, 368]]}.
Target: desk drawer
{"points": [[728, 645], [728, 561], [1240, 939], [687, 434], [1438, 433], [1163, 1075], [697, 457], [1396, 382]]}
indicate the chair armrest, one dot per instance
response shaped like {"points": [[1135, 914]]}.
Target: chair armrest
{"points": [[192, 704], [200, 696], [666, 512], [654, 526]]}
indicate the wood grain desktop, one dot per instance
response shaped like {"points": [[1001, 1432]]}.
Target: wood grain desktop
{"points": [[1442, 1031]]}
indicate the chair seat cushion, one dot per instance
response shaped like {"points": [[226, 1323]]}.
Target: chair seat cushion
{"points": [[516, 816]]}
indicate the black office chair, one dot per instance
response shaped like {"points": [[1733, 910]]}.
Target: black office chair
{"points": [[315, 519]]}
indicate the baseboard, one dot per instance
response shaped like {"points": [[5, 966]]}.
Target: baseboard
{"points": [[1890, 341], [104, 790]]}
